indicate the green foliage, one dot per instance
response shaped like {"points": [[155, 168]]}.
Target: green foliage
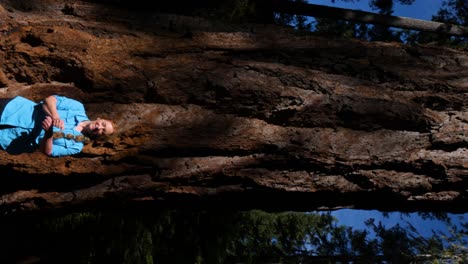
{"points": [[299, 22], [238, 10], [452, 12], [187, 236], [385, 7], [337, 28]]}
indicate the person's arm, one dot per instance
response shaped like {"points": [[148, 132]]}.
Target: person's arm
{"points": [[48, 140], [49, 105], [72, 149]]}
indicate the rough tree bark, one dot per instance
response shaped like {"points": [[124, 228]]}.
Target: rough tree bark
{"points": [[248, 116]]}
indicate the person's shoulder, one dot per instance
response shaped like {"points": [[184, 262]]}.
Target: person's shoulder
{"points": [[67, 100], [20, 99]]}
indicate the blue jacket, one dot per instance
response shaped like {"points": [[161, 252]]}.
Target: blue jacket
{"points": [[24, 120]]}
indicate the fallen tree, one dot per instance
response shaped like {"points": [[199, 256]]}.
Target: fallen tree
{"points": [[248, 116]]}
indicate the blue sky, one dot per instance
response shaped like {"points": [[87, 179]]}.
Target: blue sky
{"points": [[420, 9], [356, 219]]}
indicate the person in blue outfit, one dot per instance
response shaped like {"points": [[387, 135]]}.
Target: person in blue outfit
{"points": [[58, 126]]}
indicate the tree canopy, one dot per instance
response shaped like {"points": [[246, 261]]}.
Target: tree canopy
{"points": [[452, 14], [200, 236]]}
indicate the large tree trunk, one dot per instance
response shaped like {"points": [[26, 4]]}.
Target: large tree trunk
{"points": [[239, 115]]}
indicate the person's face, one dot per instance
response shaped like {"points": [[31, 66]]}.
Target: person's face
{"points": [[100, 127]]}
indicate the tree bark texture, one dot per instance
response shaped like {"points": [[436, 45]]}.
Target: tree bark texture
{"points": [[248, 116]]}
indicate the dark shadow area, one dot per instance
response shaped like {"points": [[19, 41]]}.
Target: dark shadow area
{"points": [[68, 70], [26, 142], [13, 181], [32, 40], [185, 7], [441, 102], [220, 236]]}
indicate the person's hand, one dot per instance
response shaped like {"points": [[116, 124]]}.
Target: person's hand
{"points": [[58, 123], [47, 123]]}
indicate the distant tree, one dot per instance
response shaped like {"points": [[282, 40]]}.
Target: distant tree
{"points": [[340, 28], [332, 27], [454, 12], [385, 33], [297, 21], [382, 27], [220, 237], [349, 29]]}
